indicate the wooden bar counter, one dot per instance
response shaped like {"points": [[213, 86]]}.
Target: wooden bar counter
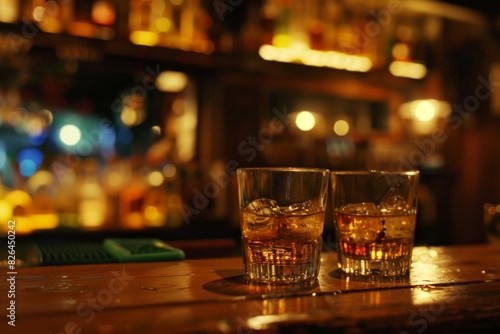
{"points": [[450, 289]]}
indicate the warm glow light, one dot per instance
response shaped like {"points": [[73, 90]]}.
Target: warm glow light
{"points": [[103, 12], [281, 41], [39, 180], [20, 202], [301, 54], [70, 134], [132, 112], [147, 38], [114, 179], [10, 11], [153, 216], [155, 178], [424, 115], [5, 211], [129, 116], [425, 111], [92, 212], [163, 24], [400, 51], [408, 69], [170, 81], [305, 121], [341, 128], [268, 52], [169, 171], [83, 29], [45, 220], [38, 13]]}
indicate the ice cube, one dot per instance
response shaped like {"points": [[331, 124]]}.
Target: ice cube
{"points": [[393, 205], [264, 207], [360, 209], [306, 207]]}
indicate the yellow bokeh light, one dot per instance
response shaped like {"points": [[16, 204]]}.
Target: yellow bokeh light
{"points": [[425, 111], [400, 51], [10, 11], [408, 69], [38, 13], [305, 121], [155, 178], [170, 81], [114, 179], [163, 24], [341, 128], [103, 12], [70, 134], [169, 171], [147, 38]]}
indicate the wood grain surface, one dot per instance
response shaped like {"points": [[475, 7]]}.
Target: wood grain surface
{"points": [[449, 289]]}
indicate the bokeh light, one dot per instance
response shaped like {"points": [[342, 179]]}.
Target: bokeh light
{"points": [[425, 111], [305, 121], [341, 127], [70, 134]]}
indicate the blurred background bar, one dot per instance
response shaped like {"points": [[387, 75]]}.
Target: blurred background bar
{"points": [[130, 117]]}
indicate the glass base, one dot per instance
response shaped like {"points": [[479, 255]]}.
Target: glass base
{"points": [[391, 267], [282, 274]]}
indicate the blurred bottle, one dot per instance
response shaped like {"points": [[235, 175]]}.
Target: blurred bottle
{"points": [[19, 205], [132, 197], [154, 209], [116, 176], [92, 209], [41, 186], [66, 193]]}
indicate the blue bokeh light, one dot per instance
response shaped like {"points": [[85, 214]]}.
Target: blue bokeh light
{"points": [[29, 160]]}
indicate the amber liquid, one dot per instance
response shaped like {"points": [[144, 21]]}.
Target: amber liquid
{"points": [[375, 244], [282, 249]]}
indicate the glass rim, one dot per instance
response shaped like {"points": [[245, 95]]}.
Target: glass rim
{"points": [[376, 172], [283, 169]]}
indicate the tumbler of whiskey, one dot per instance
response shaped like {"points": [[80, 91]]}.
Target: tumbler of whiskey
{"points": [[374, 216], [282, 213]]}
